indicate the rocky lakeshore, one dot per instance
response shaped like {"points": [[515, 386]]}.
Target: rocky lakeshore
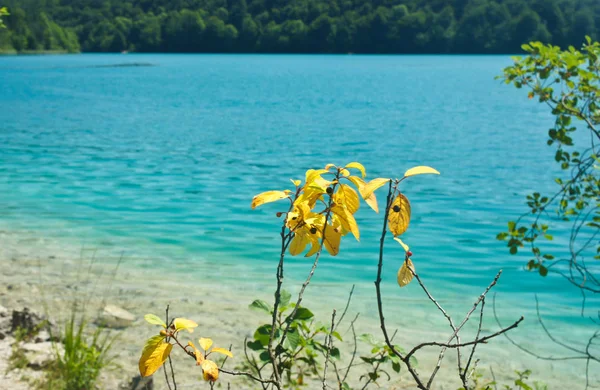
{"points": [[47, 279]]}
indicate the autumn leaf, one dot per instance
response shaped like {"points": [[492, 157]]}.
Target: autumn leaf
{"points": [[357, 181], [313, 176], [348, 197], [358, 166], [404, 246], [299, 243], [197, 353], [296, 182], [332, 240], [155, 352], [315, 240], [183, 323], [223, 351], [347, 220], [372, 186], [205, 343], [268, 197], [210, 371], [372, 202], [404, 273], [420, 170], [399, 215]]}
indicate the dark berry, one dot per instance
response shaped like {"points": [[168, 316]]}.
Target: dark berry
{"points": [[313, 230], [396, 209], [329, 190], [279, 214], [409, 254]]}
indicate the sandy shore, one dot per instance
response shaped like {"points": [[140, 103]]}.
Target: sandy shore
{"points": [[49, 276]]}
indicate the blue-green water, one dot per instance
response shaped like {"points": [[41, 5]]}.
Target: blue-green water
{"points": [[163, 161]]}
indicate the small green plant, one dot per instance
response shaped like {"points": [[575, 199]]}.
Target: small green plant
{"points": [[78, 363], [3, 12], [18, 359], [479, 381]]}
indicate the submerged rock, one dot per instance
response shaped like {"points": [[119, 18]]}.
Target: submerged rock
{"points": [[115, 317]]}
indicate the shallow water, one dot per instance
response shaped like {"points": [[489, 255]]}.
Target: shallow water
{"points": [[162, 161]]}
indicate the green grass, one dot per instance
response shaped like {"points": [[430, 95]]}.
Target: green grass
{"points": [[78, 366]]}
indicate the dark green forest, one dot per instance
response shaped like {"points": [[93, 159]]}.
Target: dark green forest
{"points": [[296, 26]]}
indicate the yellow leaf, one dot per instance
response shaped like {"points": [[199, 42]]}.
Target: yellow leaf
{"points": [[210, 370], [313, 174], [371, 186], [404, 246], [299, 242], [296, 182], [223, 351], [347, 220], [358, 166], [329, 166], [332, 240], [420, 170], [404, 273], [345, 172], [205, 343], [268, 197], [309, 196], [155, 352], [399, 215], [183, 323], [348, 197], [372, 202], [197, 353], [154, 320], [357, 181], [316, 244]]}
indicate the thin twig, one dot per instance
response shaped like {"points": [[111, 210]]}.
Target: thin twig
{"points": [[466, 344], [172, 373], [463, 374], [459, 327], [354, 351], [329, 347]]}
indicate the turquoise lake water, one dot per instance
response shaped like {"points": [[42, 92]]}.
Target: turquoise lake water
{"points": [[162, 161]]}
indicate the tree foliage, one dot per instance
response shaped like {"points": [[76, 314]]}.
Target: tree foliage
{"points": [[568, 82], [298, 26]]}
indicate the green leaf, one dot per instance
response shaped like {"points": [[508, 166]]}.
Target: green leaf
{"points": [[263, 333], [303, 314], [396, 367], [293, 339], [543, 270], [154, 320], [255, 345], [335, 353], [502, 236], [264, 356], [259, 304], [284, 298], [336, 335]]}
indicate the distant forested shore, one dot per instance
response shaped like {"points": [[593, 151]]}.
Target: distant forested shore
{"points": [[295, 26]]}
